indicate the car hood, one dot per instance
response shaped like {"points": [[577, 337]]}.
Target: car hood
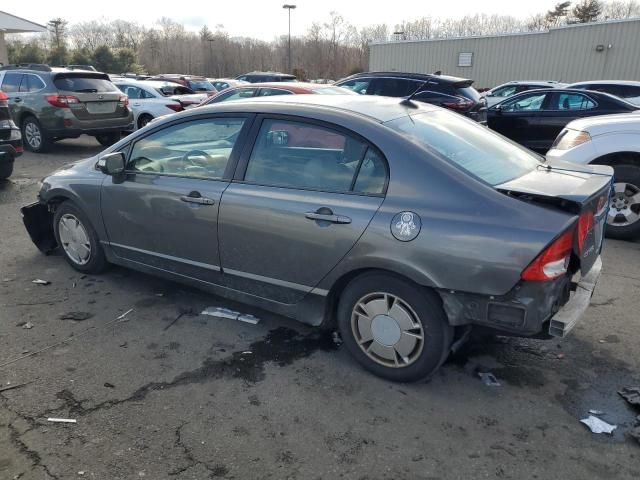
{"points": [[621, 122]]}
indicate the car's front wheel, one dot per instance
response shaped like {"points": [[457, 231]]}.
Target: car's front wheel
{"points": [[78, 239], [394, 328], [623, 221], [34, 136], [108, 139], [144, 119]]}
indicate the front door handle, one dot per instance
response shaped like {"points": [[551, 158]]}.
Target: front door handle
{"points": [[17, 99], [325, 214], [195, 197]]}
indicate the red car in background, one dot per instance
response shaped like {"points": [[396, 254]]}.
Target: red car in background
{"points": [[276, 88]]}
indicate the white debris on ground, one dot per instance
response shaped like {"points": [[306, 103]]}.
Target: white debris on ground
{"points": [[598, 426], [220, 312]]}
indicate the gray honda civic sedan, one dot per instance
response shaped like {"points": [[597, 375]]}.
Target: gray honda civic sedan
{"points": [[400, 224]]}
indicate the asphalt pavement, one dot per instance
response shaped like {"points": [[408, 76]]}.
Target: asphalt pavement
{"points": [[166, 393]]}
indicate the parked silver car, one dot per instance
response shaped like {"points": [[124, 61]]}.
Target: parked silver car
{"points": [[402, 223]]}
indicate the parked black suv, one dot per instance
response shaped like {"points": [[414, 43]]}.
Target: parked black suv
{"points": [[259, 77], [10, 139], [49, 104], [454, 93]]}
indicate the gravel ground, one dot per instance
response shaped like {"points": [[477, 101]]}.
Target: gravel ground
{"points": [[201, 398]]}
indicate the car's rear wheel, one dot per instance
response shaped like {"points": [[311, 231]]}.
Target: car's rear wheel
{"points": [[623, 221], [6, 169], [78, 239], [393, 327], [144, 119], [108, 139], [34, 136]]}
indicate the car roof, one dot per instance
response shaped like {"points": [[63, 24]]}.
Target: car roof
{"points": [[149, 83], [608, 82], [413, 76], [298, 87], [531, 82], [380, 109], [255, 72]]}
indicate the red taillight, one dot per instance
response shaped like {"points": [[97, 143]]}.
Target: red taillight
{"points": [[176, 107], [553, 261], [20, 149], [62, 101], [4, 96], [124, 100], [458, 105], [585, 225]]}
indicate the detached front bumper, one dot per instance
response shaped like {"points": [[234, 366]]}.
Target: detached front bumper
{"points": [[569, 315], [530, 309], [38, 221]]}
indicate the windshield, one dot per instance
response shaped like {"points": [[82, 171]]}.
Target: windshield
{"points": [[468, 145], [201, 85], [334, 91]]}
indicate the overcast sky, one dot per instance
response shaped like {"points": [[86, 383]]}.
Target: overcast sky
{"points": [[265, 19]]}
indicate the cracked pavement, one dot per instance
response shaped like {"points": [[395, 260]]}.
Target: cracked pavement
{"points": [[206, 398]]}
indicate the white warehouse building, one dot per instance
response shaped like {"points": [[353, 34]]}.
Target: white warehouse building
{"points": [[592, 51]]}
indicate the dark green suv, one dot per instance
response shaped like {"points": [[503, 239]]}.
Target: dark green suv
{"points": [[50, 104]]}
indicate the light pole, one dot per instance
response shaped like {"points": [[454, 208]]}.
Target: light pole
{"points": [[289, 7]]}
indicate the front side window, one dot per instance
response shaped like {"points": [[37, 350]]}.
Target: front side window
{"points": [[358, 85], [199, 148], [236, 94], [530, 103], [571, 101], [306, 156], [201, 85], [134, 93], [11, 82], [267, 92], [468, 145]]}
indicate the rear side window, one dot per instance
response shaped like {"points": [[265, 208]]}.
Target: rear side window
{"points": [[393, 87], [505, 91], [305, 156], [34, 83], [83, 84], [358, 85], [571, 101], [629, 91], [468, 92], [11, 82], [468, 145]]}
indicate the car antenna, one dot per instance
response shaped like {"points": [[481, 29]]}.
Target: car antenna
{"points": [[407, 101]]}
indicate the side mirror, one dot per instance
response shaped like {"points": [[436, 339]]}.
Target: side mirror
{"points": [[112, 163]]}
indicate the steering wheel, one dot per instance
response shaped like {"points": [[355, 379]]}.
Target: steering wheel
{"points": [[199, 153]]}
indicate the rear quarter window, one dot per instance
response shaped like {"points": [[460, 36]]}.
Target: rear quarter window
{"points": [[83, 84]]}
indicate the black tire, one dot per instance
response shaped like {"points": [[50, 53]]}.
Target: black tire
{"points": [[96, 261], [425, 304], [144, 119], [108, 139], [34, 137], [629, 174], [6, 169]]}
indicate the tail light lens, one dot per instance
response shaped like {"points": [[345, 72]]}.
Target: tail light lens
{"points": [[458, 105], [553, 262], [62, 101], [176, 107], [124, 100], [4, 96], [585, 225]]}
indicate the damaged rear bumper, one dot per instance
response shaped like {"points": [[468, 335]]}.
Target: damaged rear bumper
{"points": [[530, 309], [567, 317], [38, 221]]}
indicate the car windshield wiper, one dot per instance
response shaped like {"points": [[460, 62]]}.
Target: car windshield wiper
{"points": [[87, 90]]}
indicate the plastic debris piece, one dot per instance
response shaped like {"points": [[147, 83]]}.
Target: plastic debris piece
{"points": [[62, 420], [109, 385], [28, 326], [596, 412], [121, 317], [489, 379], [81, 472], [598, 426], [248, 352], [337, 339], [631, 395], [221, 312], [38, 281], [13, 387], [76, 316]]}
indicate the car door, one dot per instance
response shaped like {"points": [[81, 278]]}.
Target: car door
{"points": [[561, 108], [164, 212], [301, 198], [11, 86], [516, 117]]}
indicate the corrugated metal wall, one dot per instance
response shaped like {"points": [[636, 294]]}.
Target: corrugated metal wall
{"points": [[567, 54]]}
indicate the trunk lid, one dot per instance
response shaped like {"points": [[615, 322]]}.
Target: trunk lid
{"points": [[575, 189], [97, 98]]}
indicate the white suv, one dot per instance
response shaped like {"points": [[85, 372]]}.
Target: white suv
{"points": [[609, 140]]}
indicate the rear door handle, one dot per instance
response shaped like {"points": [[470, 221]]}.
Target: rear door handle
{"points": [[328, 217], [17, 99], [195, 197]]}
